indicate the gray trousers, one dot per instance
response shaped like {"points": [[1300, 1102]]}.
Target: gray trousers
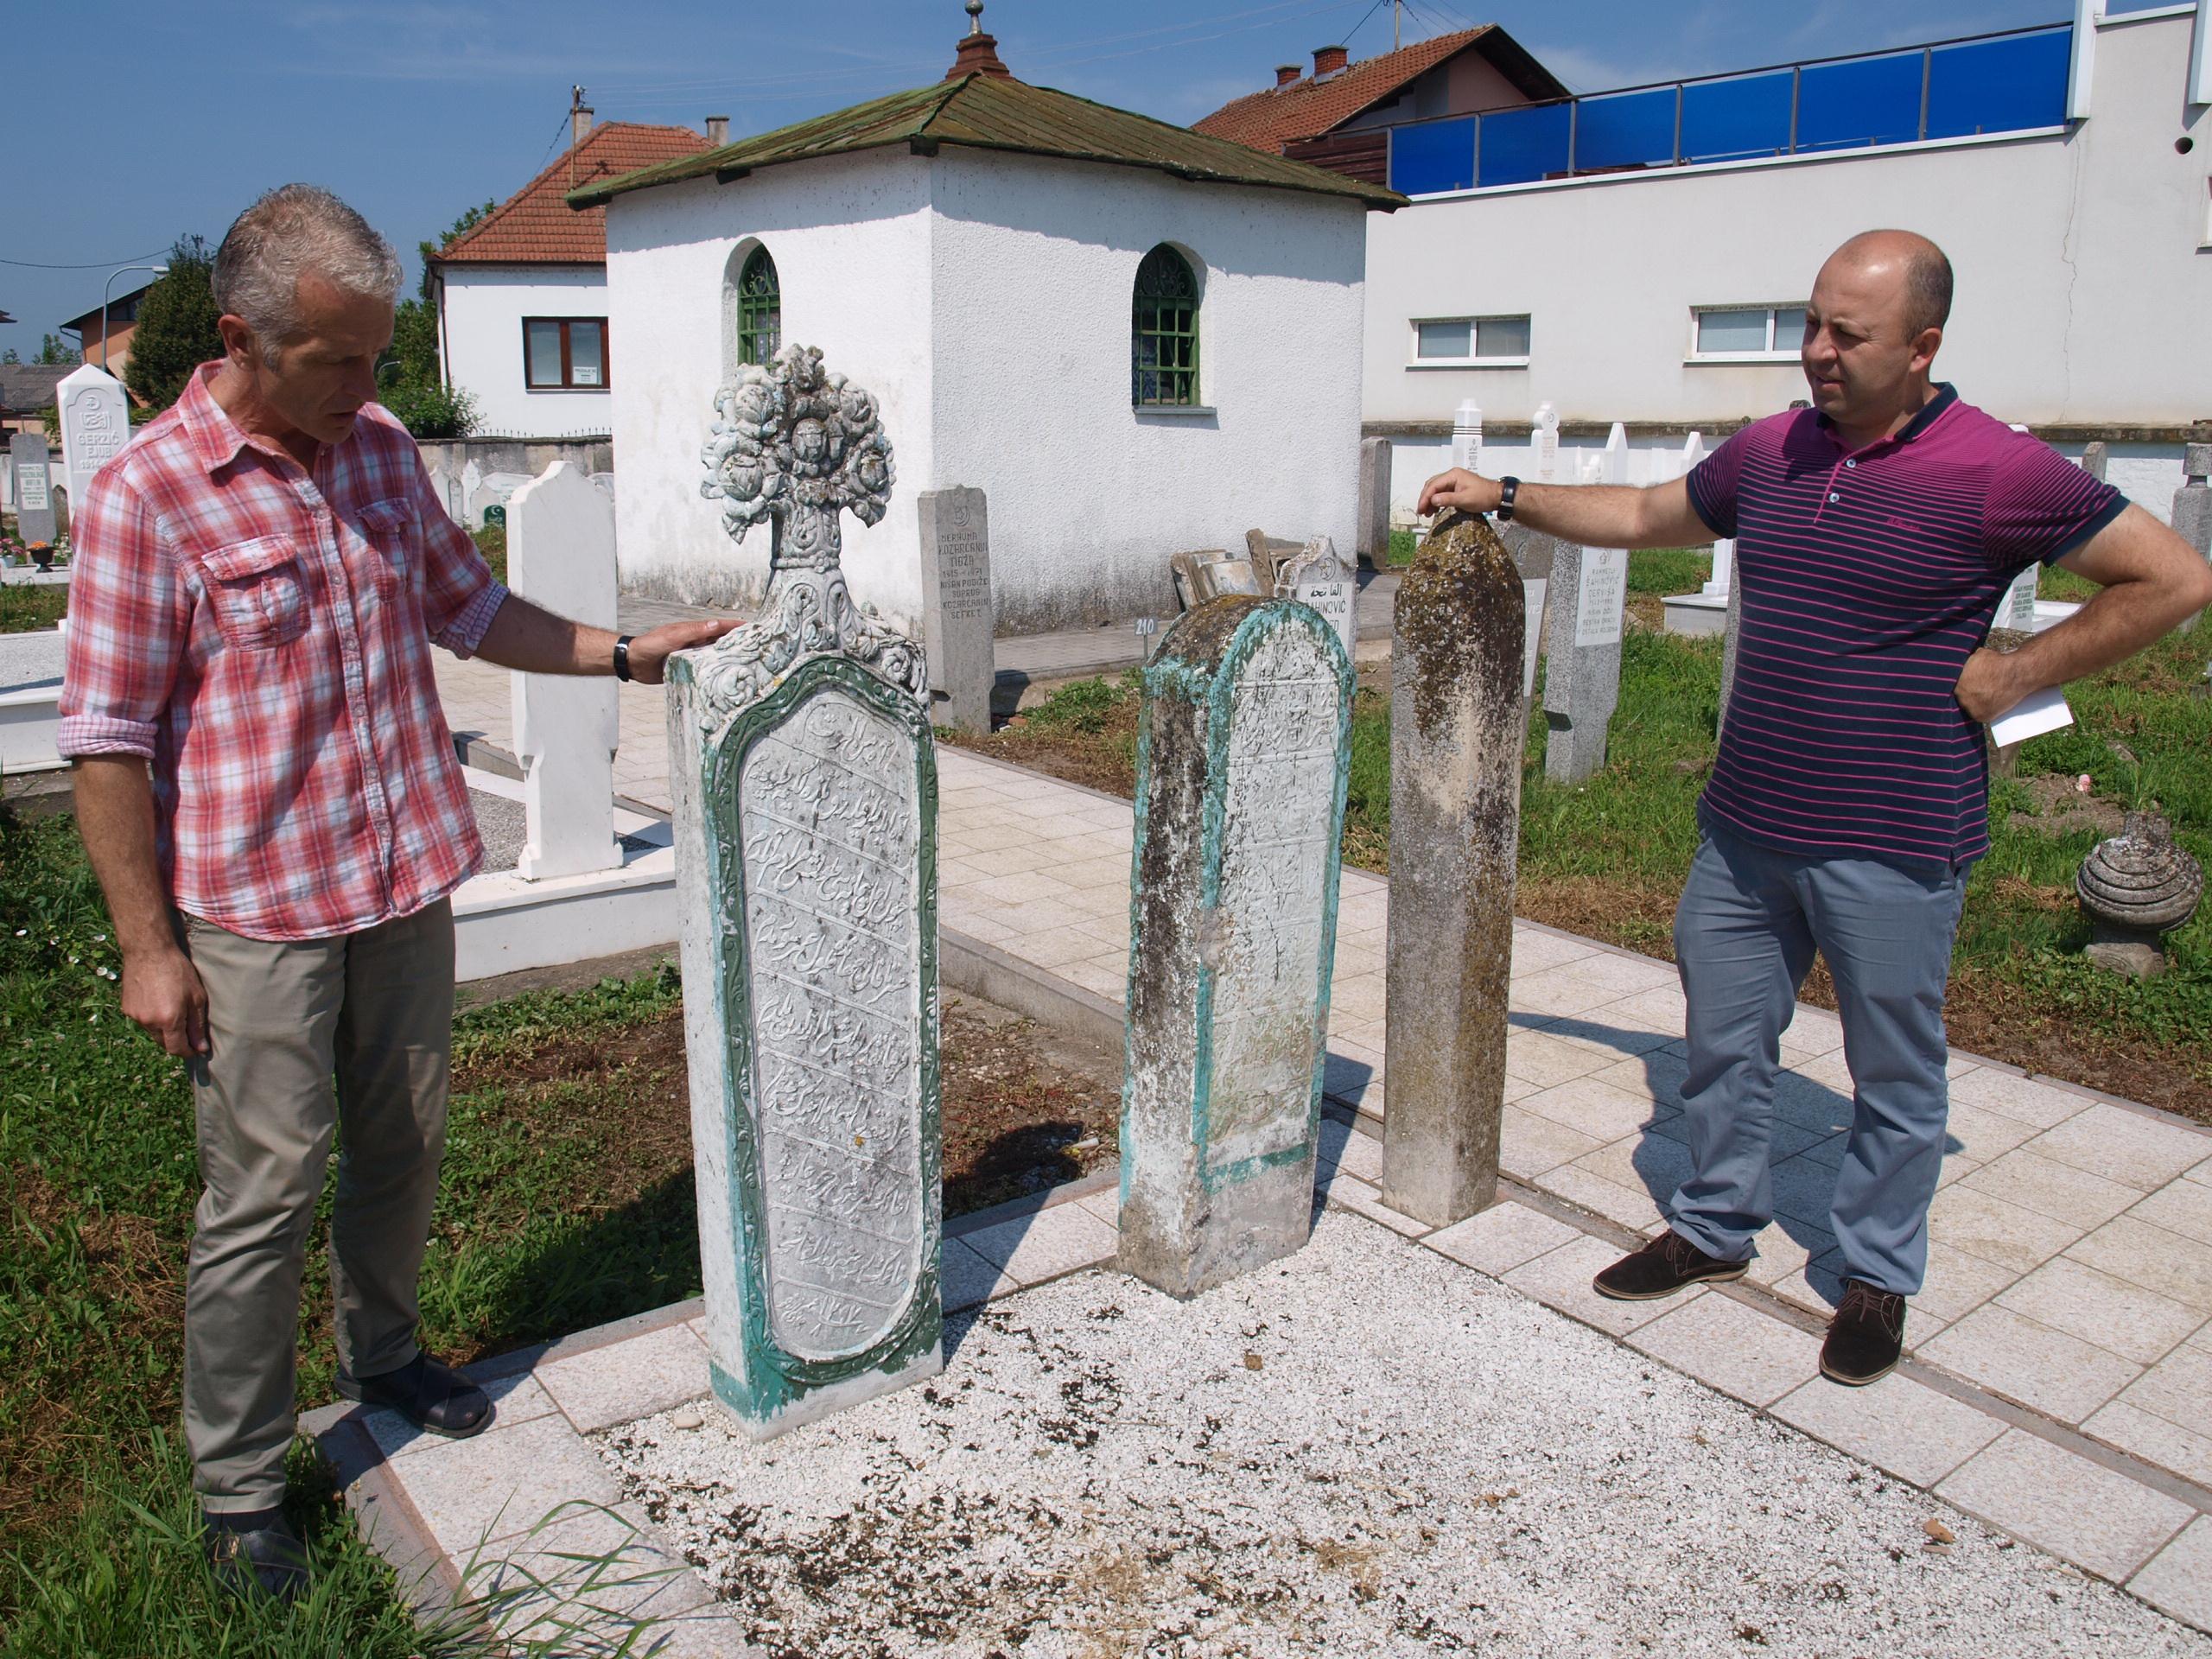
{"points": [[1745, 934], [373, 1011]]}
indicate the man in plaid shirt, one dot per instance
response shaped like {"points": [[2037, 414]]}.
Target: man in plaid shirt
{"points": [[267, 793]]}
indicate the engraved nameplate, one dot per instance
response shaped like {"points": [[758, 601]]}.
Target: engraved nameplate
{"points": [[1264, 936], [831, 831]]}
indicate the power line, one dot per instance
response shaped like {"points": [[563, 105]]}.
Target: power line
{"points": [[103, 264]]}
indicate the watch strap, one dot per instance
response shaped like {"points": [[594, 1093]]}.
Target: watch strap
{"points": [[622, 657], [1508, 488]]}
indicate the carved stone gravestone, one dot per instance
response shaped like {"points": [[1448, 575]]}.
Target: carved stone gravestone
{"points": [[1532, 553], [34, 499], [1456, 734], [804, 776], [1374, 501], [1242, 753], [561, 556], [95, 425], [2192, 510], [1588, 596], [958, 617], [1318, 578], [1218, 578]]}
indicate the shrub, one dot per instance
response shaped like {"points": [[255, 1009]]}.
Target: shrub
{"points": [[431, 408], [176, 330]]}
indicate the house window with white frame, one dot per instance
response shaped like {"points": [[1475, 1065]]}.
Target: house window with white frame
{"points": [[1470, 342], [564, 353], [1746, 334]]}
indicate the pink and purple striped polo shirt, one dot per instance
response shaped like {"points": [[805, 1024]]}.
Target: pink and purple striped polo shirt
{"points": [[1868, 577]]}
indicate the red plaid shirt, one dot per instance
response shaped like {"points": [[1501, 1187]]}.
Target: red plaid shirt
{"points": [[261, 635]]}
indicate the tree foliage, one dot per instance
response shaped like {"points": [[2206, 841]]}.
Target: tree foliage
{"points": [[57, 352], [176, 330]]}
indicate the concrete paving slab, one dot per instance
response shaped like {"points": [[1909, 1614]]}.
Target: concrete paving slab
{"points": [[1499, 1239], [1745, 1353], [636, 1378], [2018, 1359], [1898, 1425], [2120, 1318], [2178, 1580], [2081, 1510]]}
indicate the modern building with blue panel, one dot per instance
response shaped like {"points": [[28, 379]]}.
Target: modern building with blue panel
{"points": [[1643, 255]]}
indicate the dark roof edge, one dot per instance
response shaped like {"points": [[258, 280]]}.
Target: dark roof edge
{"points": [[1513, 60], [1324, 182]]}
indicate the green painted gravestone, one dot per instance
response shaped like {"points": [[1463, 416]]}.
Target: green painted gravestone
{"points": [[1241, 759], [806, 782]]}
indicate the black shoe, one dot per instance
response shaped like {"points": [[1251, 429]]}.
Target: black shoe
{"points": [[1865, 1339], [1668, 1263], [436, 1398], [256, 1553]]}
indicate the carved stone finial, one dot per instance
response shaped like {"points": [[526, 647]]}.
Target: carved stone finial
{"points": [[797, 446], [2135, 887]]}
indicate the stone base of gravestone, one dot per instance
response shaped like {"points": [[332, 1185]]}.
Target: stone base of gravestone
{"points": [[2192, 510], [806, 842], [1242, 756], [1532, 553], [1456, 738], [958, 618], [1582, 683]]}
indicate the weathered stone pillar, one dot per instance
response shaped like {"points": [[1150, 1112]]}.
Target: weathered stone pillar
{"points": [[1242, 760], [1456, 730], [958, 617], [805, 775], [2192, 513], [1374, 502]]}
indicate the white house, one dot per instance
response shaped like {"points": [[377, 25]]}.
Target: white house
{"points": [[1653, 272], [522, 297], [1136, 339]]}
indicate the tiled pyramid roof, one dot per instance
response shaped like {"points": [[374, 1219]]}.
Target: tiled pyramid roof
{"points": [[995, 111], [537, 226], [1281, 116]]}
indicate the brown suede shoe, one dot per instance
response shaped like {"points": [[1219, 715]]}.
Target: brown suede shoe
{"points": [[1668, 1263], [1865, 1339]]}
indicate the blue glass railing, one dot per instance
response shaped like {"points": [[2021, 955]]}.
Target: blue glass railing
{"points": [[2009, 82]]}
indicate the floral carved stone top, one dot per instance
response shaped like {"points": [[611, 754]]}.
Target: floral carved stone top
{"points": [[797, 446]]}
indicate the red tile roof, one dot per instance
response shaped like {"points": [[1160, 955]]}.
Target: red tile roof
{"points": [[537, 226], [1281, 116]]}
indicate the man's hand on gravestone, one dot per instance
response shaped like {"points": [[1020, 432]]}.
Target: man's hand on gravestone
{"points": [[1992, 682], [649, 653], [163, 995], [1460, 488]]}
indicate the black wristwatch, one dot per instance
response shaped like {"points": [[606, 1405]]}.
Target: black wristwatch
{"points": [[1506, 489], [622, 657]]}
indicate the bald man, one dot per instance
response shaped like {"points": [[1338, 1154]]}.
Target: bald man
{"points": [[1875, 533]]}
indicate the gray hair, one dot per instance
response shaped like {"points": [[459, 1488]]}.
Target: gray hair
{"points": [[290, 231]]}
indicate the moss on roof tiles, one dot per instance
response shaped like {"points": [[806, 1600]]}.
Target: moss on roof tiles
{"points": [[980, 111]]}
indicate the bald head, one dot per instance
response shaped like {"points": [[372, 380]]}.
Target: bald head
{"points": [[1915, 265]]}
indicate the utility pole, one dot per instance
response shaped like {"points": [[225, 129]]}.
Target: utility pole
{"points": [[1393, 23]]}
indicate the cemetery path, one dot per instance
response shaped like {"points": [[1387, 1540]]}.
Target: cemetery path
{"points": [[2067, 1311]]}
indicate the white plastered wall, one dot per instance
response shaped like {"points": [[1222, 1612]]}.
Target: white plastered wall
{"points": [[484, 309], [985, 301], [1035, 262], [851, 239]]}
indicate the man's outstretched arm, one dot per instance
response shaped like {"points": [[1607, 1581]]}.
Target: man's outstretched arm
{"points": [[528, 637], [1594, 515]]}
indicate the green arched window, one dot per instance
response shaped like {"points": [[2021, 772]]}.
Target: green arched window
{"points": [[760, 309], [1163, 333]]}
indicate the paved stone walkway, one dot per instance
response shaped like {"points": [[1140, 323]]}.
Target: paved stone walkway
{"points": [[2061, 1381]]}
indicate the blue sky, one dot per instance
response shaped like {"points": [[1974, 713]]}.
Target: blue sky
{"points": [[413, 108]]}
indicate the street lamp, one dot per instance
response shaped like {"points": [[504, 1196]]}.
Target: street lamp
{"points": [[158, 271]]}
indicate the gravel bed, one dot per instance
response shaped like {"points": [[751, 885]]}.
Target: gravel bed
{"points": [[1365, 1450]]}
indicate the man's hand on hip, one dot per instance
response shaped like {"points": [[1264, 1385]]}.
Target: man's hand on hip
{"points": [[649, 653], [1991, 682], [162, 992], [1461, 489]]}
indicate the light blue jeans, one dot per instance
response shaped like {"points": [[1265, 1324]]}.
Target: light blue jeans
{"points": [[1750, 920]]}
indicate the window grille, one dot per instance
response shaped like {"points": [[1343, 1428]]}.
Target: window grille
{"points": [[1163, 333], [760, 309]]}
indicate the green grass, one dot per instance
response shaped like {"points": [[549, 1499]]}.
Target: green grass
{"points": [[491, 542], [25, 608], [97, 1168]]}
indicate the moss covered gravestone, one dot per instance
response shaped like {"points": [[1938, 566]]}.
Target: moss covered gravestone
{"points": [[805, 786], [1242, 760]]}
